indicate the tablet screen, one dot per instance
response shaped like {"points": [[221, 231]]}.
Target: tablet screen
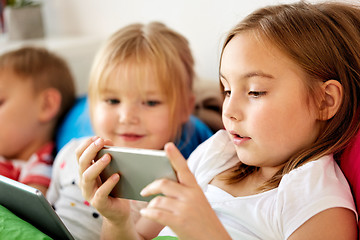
{"points": [[29, 204]]}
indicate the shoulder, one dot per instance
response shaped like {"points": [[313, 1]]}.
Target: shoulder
{"points": [[216, 145], [72, 144], [310, 189], [67, 152], [213, 156], [324, 171], [317, 179]]}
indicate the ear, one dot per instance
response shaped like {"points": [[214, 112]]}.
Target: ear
{"points": [[49, 104], [332, 91], [186, 114]]}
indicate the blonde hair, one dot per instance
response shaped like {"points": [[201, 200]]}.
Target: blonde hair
{"points": [[324, 40], [45, 69], [152, 47]]}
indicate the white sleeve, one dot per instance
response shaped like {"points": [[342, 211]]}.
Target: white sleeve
{"points": [[212, 157], [310, 189], [65, 153]]}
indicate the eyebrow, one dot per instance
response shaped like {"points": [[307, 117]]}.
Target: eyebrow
{"points": [[112, 91], [106, 90], [252, 74]]}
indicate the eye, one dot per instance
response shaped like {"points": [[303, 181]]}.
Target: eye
{"points": [[257, 94], [112, 101], [152, 103], [226, 93]]}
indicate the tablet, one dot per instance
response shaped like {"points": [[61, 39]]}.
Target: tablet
{"points": [[30, 204], [137, 168]]}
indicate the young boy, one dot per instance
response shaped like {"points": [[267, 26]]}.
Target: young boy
{"points": [[36, 90]]}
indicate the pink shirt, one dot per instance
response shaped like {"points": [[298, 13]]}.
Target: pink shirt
{"points": [[36, 170]]}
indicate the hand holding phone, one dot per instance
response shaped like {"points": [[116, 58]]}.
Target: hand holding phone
{"points": [[137, 169]]}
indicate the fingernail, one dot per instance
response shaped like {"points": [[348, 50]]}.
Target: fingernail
{"points": [[105, 158], [98, 142], [115, 177], [143, 192], [143, 211]]}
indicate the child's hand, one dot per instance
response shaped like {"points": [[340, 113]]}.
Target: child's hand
{"points": [[93, 190], [184, 208]]}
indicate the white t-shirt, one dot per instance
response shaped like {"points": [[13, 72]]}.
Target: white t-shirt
{"points": [[274, 214], [64, 193]]}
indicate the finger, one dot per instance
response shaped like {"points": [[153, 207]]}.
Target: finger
{"points": [[90, 152], [164, 186], [108, 142], [80, 150], [90, 179], [163, 211], [101, 195], [157, 215], [179, 164], [165, 203], [93, 172]]}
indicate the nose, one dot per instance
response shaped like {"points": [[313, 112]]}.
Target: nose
{"points": [[232, 109], [128, 114]]}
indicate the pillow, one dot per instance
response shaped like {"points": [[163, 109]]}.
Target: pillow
{"points": [[208, 104], [13, 227], [350, 165], [77, 124]]}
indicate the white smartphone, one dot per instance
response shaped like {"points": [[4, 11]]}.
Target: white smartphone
{"points": [[137, 169]]}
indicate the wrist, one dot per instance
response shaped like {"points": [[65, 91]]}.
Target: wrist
{"points": [[118, 229]]}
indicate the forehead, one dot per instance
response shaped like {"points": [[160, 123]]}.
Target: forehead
{"points": [[15, 86], [246, 54], [9, 77], [132, 77]]}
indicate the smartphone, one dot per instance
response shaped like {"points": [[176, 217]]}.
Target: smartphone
{"points": [[137, 168]]}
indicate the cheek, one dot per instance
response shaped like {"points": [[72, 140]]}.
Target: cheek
{"points": [[101, 120], [290, 129], [160, 127]]}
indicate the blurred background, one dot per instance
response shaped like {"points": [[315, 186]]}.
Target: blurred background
{"points": [[76, 28]]}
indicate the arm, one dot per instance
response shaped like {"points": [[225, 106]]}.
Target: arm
{"points": [[333, 223], [53, 192], [184, 208], [42, 188], [118, 223]]}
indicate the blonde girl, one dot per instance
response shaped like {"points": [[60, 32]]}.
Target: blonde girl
{"points": [[140, 96]]}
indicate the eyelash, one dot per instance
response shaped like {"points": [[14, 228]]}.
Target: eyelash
{"points": [[150, 103], [255, 94], [112, 101], [226, 93]]}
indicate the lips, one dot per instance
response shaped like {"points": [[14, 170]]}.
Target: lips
{"points": [[131, 137], [235, 134], [238, 139]]}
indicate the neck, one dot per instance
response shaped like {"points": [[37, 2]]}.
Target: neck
{"points": [[42, 137]]}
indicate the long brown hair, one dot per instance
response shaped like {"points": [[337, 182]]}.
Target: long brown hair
{"points": [[324, 40]]}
